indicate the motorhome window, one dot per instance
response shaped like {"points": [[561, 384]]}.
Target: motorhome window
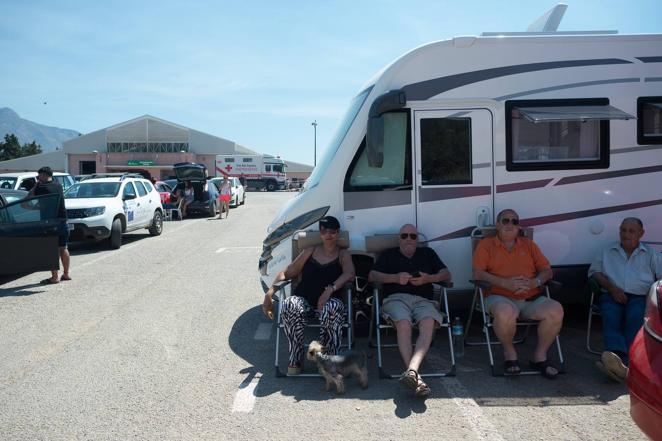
{"points": [[267, 168], [247, 159], [649, 120], [326, 158], [446, 151], [559, 134], [395, 172]]}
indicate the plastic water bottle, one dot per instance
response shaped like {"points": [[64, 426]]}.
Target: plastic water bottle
{"points": [[458, 337]]}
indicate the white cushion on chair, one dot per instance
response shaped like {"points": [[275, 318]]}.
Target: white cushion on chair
{"points": [[304, 239], [381, 242]]}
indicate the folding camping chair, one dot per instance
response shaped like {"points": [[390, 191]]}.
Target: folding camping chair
{"points": [[593, 310], [478, 304], [378, 323], [300, 240]]}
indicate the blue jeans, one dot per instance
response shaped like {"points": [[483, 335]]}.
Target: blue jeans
{"points": [[620, 323]]}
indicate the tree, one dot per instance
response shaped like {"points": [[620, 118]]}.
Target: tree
{"points": [[30, 149], [10, 148]]}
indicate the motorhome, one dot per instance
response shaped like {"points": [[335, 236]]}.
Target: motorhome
{"points": [[260, 171], [564, 127]]}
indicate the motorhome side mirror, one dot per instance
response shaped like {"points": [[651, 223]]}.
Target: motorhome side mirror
{"points": [[375, 142], [391, 100]]}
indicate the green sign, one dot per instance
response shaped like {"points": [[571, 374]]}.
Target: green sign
{"points": [[140, 163]]}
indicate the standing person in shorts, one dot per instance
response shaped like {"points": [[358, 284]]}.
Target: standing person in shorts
{"points": [[408, 273], [224, 196], [516, 269], [46, 185]]}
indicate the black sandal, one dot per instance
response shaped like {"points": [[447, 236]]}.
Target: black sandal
{"points": [[543, 367], [511, 367], [409, 379]]}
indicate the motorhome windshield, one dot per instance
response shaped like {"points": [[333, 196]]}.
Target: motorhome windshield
{"points": [[341, 131]]}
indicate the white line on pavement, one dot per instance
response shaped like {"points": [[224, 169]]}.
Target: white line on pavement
{"points": [[479, 423], [220, 250], [263, 331], [245, 398]]}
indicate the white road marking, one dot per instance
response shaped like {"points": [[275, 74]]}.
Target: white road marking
{"points": [[220, 250], [263, 331], [479, 423], [244, 400]]}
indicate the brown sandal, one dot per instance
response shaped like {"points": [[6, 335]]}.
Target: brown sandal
{"points": [[409, 379], [422, 389]]}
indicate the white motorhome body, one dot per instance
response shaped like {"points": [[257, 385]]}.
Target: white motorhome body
{"points": [[566, 129], [261, 171]]}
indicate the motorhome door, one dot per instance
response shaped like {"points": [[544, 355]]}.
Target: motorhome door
{"points": [[453, 181]]}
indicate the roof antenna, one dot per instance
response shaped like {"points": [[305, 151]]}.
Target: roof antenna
{"points": [[550, 20]]}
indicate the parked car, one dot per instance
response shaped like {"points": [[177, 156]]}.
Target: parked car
{"points": [[105, 208], [205, 194], [28, 232], [8, 196], [164, 190], [238, 191], [645, 371], [27, 180]]}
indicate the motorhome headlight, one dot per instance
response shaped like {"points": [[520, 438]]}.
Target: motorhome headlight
{"points": [[94, 211], [298, 223]]}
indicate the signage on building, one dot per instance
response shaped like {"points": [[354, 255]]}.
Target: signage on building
{"points": [[140, 163]]}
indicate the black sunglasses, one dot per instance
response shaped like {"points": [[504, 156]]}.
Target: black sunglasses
{"points": [[507, 220], [412, 236]]}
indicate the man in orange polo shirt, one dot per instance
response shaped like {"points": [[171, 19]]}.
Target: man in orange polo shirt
{"points": [[516, 269]]}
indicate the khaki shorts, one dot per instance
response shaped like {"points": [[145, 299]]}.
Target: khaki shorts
{"points": [[526, 308], [412, 308]]}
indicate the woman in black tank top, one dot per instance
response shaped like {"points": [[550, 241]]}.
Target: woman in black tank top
{"points": [[323, 270]]}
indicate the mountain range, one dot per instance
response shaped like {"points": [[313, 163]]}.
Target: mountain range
{"points": [[50, 138]]}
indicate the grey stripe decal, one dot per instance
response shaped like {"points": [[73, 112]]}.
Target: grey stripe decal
{"points": [[609, 175], [466, 232], [652, 79], [482, 165], [442, 194], [500, 163], [636, 149], [429, 88], [586, 213], [567, 86], [650, 59], [505, 188], [361, 200]]}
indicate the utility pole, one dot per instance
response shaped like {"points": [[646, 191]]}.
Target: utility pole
{"points": [[314, 124]]}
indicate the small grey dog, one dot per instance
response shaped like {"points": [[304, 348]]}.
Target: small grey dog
{"points": [[335, 368]]}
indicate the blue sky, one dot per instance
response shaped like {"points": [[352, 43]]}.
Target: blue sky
{"points": [[255, 72]]}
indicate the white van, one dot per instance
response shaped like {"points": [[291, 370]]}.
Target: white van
{"points": [[565, 128]]}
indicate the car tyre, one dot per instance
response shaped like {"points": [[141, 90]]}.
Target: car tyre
{"points": [[212, 208], [115, 239], [243, 199], [157, 224]]}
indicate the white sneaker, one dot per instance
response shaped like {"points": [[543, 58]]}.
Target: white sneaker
{"points": [[614, 364]]}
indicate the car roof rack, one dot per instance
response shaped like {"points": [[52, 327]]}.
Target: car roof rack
{"points": [[122, 176]]}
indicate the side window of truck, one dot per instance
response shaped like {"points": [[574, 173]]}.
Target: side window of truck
{"points": [[395, 172], [446, 151], [649, 120], [267, 168], [559, 134]]}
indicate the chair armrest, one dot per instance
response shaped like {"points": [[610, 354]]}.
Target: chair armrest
{"points": [[444, 284], [553, 283], [482, 284], [280, 286]]}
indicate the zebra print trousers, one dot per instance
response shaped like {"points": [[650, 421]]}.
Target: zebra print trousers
{"points": [[295, 315]]}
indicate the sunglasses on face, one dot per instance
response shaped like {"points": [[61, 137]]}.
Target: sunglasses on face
{"points": [[325, 231], [507, 220], [412, 236]]}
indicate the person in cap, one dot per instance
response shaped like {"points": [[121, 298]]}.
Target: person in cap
{"points": [[45, 186], [324, 270]]}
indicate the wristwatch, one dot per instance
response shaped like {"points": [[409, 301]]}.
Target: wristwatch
{"points": [[538, 281]]}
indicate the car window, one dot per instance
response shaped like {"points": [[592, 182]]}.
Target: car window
{"points": [[27, 184], [6, 182], [148, 186], [65, 181], [89, 189], [129, 190], [33, 209], [141, 188]]}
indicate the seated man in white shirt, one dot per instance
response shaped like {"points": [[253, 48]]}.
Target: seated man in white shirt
{"points": [[625, 271]]}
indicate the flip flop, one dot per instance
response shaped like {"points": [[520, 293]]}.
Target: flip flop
{"points": [[64, 278], [543, 367], [48, 282], [511, 367]]}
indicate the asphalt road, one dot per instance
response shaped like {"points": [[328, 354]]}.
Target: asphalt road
{"points": [[164, 339]]}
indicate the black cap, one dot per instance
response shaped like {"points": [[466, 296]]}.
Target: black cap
{"points": [[329, 222], [46, 170]]}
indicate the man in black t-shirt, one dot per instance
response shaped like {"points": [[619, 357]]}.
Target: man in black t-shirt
{"points": [[45, 186], [407, 273]]}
